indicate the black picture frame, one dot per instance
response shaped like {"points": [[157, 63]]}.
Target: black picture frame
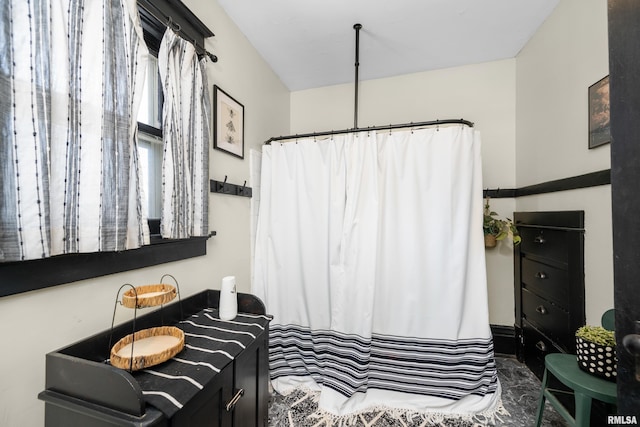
{"points": [[228, 123], [599, 120]]}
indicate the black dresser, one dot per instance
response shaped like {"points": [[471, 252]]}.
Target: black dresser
{"points": [[549, 284], [84, 390]]}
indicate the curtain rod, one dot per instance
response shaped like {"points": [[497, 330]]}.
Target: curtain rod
{"points": [[178, 29], [372, 128]]}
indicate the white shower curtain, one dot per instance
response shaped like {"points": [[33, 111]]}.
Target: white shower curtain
{"points": [[370, 257]]}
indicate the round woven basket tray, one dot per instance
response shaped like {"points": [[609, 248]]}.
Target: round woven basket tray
{"points": [[149, 295], [150, 347]]}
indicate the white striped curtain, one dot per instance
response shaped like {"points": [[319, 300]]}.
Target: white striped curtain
{"points": [[71, 75], [369, 255], [185, 129]]}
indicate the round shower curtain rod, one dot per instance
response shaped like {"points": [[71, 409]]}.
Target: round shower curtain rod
{"points": [[372, 128], [357, 27]]}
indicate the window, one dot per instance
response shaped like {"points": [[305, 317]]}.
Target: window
{"points": [[31, 275], [150, 139], [150, 156], [150, 112]]}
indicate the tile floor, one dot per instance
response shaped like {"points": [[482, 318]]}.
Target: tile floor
{"points": [[520, 396], [520, 393]]}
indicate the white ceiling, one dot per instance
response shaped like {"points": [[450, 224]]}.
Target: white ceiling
{"points": [[311, 43]]}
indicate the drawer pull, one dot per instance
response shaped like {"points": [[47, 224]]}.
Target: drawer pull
{"points": [[541, 346], [234, 400], [540, 309], [541, 275], [539, 239]]}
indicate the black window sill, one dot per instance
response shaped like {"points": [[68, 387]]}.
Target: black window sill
{"points": [[24, 276]]}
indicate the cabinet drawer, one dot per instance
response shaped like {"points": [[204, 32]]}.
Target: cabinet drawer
{"points": [[547, 281], [536, 347], [546, 243], [546, 316]]}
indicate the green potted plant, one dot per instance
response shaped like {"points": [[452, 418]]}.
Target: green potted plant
{"points": [[496, 229], [596, 351]]}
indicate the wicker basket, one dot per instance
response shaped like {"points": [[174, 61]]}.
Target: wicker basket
{"points": [[597, 359], [147, 347], [490, 241], [149, 296]]}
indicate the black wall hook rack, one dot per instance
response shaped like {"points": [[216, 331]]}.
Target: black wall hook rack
{"points": [[225, 187]]}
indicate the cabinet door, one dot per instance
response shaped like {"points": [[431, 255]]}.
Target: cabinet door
{"points": [[208, 407], [251, 376]]}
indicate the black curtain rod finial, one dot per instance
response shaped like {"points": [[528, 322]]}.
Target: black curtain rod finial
{"points": [[357, 26]]}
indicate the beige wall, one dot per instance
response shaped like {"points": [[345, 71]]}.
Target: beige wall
{"points": [[35, 323], [482, 93], [554, 70]]}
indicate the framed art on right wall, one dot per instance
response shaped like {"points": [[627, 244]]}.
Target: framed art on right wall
{"points": [[599, 124]]}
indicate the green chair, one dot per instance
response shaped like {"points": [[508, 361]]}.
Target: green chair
{"points": [[586, 387], [609, 320]]}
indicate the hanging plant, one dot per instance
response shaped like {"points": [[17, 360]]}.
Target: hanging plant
{"points": [[496, 229]]}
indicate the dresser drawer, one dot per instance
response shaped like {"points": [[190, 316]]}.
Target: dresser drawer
{"points": [[551, 244], [547, 317], [546, 281], [536, 347]]}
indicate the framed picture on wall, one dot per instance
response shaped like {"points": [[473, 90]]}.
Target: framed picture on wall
{"points": [[599, 124], [228, 123]]}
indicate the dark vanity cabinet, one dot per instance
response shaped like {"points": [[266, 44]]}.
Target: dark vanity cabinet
{"points": [[549, 284], [208, 407], [84, 390]]}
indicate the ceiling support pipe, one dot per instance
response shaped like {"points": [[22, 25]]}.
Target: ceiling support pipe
{"points": [[356, 27]]}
